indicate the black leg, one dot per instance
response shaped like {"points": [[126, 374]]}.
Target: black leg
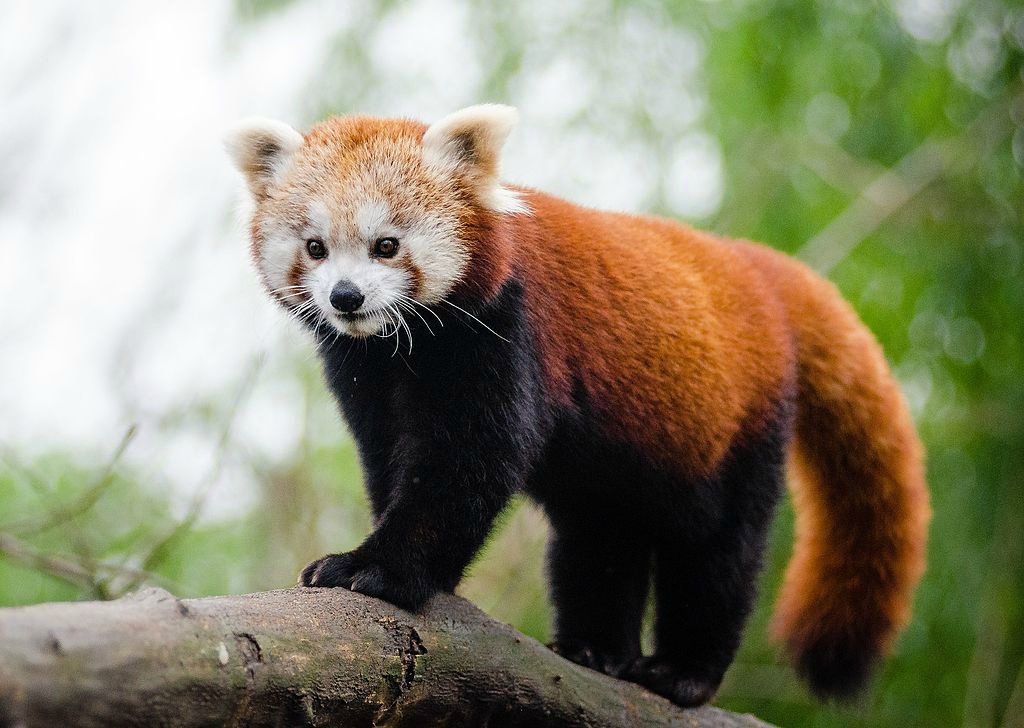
{"points": [[459, 449], [444, 446], [703, 594], [423, 542], [599, 577], [705, 585]]}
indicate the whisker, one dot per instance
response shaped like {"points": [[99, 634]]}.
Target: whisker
{"points": [[337, 335], [405, 324], [379, 317], [406, 307], [305, 306], [413, 301], [411, 370], [445, 300], [398, 338]]}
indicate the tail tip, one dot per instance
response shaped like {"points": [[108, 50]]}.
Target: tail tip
{"points": [[835, 671]]}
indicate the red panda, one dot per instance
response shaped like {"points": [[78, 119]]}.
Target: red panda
{"points": [[647, 384]]}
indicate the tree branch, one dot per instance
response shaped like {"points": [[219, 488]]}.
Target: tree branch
{"points": [[305, 657]]}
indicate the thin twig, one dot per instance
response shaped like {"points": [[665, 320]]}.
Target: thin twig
{"points": [[82, 573], [63, 568], [60, 515]]}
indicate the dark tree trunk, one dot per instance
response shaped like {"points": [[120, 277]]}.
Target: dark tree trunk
{"points": [[301, 657]]}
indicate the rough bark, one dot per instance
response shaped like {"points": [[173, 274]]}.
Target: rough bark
{"points": [[301, 657]]}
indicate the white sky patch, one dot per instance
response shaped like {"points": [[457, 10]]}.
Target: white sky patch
{"points": [[927, 20], [424, 60], [696, 179], [557, 92], [977, 57], [582, 107]]}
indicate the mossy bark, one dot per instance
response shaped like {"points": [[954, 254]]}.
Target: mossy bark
{"points": [[301, 657]]}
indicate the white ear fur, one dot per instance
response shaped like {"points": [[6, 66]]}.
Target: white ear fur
{"points": [[261, 149], [470, 140]]}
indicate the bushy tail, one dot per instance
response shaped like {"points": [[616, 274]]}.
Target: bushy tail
{"points": [[860, 497]]}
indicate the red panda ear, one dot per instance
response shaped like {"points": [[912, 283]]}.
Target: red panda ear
{"points": [[470, 141], [261, 149]]}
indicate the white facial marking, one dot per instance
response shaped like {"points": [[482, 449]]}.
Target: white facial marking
{"points": [[438, 254], [319, 225], [277, 253], [372, 219]]}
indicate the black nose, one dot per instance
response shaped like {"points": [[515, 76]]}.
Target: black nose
{"points": [[345, 297]]}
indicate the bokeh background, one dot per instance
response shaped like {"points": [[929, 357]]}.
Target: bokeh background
{"points": [[161, 423]]}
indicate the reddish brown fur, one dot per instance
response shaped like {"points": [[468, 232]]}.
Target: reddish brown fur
{"points": [[657, 322]]}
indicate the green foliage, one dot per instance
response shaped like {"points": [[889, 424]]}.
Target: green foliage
{"points": [[892, 162]]}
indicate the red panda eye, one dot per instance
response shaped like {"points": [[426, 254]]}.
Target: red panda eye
{"points": [[316, 249], [385, 247]]}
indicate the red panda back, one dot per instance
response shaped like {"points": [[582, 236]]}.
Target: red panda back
{"points": [[672, 332]]}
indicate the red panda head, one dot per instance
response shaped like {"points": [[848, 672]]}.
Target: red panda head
{"points": [[363, 218]]}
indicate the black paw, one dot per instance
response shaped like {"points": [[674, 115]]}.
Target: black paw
{"points": [[659, 676], [584, 654], [360, 572], [331, 570]]}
